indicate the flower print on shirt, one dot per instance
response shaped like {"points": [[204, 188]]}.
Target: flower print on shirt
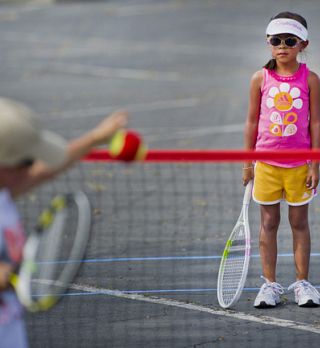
{"points": [[283, 99]]}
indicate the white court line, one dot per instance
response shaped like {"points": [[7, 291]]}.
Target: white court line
{"points": [[265, 320], [143, 9], [193, 133], [153, 106], [106, 72], [106, 44], [138, 107]]}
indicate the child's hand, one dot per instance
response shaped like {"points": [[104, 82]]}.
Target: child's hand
{"points": [[313, 177], [5, 270], [247, 174], [105, 129]]}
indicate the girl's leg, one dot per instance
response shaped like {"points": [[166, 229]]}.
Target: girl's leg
{"points": [[270, 220], [298, 218]]}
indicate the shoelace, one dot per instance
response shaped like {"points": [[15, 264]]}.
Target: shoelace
{"points": [[276, 287], [305, 285]]}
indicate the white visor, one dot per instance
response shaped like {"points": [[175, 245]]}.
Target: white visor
{"points": [[287, 26]]}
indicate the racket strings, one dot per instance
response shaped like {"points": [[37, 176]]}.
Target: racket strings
{"points": [[56, 259], [235, 260]]}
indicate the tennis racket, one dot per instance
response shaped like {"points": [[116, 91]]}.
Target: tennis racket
{"points": [[235, 258], [53, 252]]}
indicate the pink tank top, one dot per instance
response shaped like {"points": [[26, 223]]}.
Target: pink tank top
{"points": [[284, 114]]}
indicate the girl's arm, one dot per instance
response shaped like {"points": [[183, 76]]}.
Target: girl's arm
{"points": [[5, 270], [39, 173], [251, 127], [314, 97]]}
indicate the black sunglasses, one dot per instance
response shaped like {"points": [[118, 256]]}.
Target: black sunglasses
{"points": [[289, 41]]}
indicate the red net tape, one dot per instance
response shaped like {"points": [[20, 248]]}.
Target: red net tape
{"points": [[167, 155]]}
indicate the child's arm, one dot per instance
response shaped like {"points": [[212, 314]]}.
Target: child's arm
{"points": [[76, 149], [251, 128], [314, 97], [5, 270]]}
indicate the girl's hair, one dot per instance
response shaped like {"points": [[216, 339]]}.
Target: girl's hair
{"points": [[271, 65]]}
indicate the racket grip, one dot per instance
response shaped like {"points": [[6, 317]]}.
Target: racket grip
{"points": [[248, 193]]}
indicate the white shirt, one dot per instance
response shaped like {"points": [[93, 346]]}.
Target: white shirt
{"points": [[12, 237]]}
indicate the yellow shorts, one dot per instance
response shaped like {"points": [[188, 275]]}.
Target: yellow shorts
{"points": [[272, 184]]}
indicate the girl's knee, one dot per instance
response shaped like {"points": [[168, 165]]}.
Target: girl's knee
{"points": [[299, 224], [270, 218], [298, 217], [270, 223]]}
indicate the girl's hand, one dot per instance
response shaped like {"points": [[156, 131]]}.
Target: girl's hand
{"points": [[5, 270], [106, 129], [247, 174], [313, 177]]}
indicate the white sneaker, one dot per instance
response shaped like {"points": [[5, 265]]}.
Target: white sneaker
{"points": [[306, 295], [269, 294]]}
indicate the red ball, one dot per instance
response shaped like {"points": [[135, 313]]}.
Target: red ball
{"points": [[127, 146]]}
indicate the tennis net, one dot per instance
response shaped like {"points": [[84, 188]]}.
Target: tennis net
{"points": [[149, 276]]}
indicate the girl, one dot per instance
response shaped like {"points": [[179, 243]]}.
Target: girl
{"points": [[284, 114]]}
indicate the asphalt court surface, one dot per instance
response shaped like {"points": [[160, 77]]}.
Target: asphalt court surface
{"points": [[182, 69]]}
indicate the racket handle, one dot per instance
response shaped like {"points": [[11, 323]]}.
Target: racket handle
{"points": [[248, 193]]}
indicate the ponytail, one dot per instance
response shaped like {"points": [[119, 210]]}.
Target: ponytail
{"points": [[271, 65]]}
